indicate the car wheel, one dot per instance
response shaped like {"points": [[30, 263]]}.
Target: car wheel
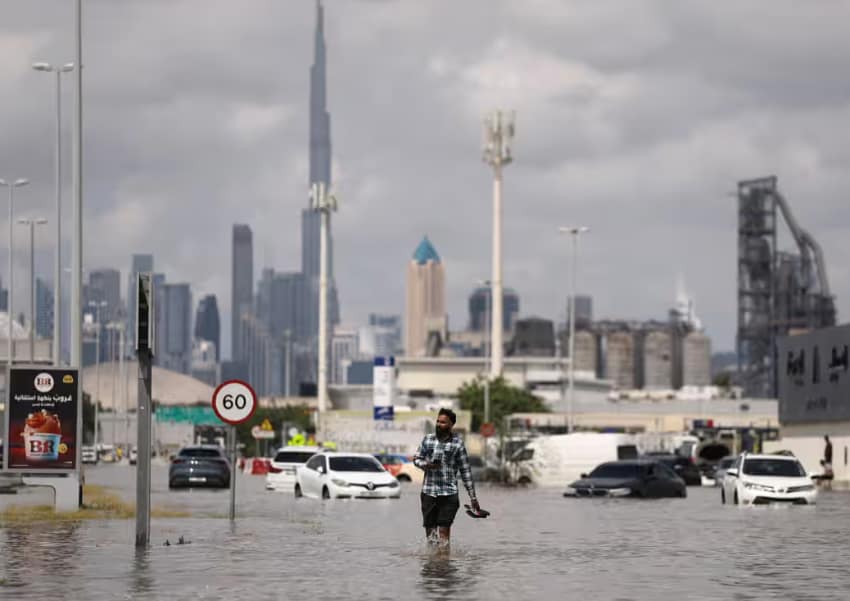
{"points": [[722, 497], [683, 493], [298, 493], [403, 478], [524, 481], [326, 494], [736, 497]]}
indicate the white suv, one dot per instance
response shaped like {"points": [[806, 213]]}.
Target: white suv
{"points": [[761, 479], [281, 475]]}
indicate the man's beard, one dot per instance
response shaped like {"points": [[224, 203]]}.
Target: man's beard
{"points": [[442, 432]]}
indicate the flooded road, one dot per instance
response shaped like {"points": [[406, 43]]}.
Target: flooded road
{"points": [[537, 544]]}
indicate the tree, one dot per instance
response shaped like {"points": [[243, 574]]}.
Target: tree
{"points": [[505, 399]]}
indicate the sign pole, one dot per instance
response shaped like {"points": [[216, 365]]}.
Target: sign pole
{"points": [[143, 460], [144, 405], [232, 473], [234, 402]]}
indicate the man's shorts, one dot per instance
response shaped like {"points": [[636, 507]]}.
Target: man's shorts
{"points": [[439, 511]]}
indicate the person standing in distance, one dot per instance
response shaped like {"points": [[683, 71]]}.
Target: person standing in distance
{"points": [[442, 456]]}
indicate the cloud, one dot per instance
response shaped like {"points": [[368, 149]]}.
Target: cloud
{"points": [[636, 119]]}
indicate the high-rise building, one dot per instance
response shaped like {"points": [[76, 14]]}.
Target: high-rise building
{"points": [[208, 323], [105, 286], [320, 172], [43, 309], [176, 348], [140, 264], [204, 361], [242, 285], [479, 304], [426, 297], [584, 310], [4, 297]]}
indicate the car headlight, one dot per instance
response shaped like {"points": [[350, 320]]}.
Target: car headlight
{"points": [[394, 484], [620, 492], [570, 491], [761, 487], [339, 482]]}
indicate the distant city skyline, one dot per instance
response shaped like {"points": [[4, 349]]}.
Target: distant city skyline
{"points": [[660, 130]]}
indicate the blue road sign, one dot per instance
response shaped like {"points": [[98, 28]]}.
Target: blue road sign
{"points": [[383, 413]]}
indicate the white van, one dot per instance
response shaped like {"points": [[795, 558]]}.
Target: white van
{"points": [[561, 459]]}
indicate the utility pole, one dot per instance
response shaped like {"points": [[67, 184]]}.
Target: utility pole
{"points": [[574, 232], [325, 203], [498, 134]]}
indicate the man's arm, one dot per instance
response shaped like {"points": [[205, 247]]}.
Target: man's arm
{"points": [[422, 457], [466, 475]]}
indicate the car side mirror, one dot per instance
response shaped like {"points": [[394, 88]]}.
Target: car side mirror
{"points": [[732, 472], [320, 469], [584, 475]]}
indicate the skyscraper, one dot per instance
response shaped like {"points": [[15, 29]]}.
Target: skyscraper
{"points": [[242, 285], [478, 306], [320, 172], [43, 309], [208, 323], [139, 264], [105, 286], [426, 297], [176, 348]]}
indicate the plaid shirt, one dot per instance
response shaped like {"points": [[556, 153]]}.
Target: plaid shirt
{"points": [[443, 480]]}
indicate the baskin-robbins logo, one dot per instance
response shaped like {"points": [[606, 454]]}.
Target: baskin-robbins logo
{"points": [[44, 382]]}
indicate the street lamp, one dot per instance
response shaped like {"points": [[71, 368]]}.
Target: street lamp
{"points": [[325, 203], [575, 232], [498, 133], [57, 268], [32, 223], [11, 185], [97, 307]]}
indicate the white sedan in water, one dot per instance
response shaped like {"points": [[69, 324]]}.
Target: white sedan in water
{"points": [[763, 479], [344, 476]]}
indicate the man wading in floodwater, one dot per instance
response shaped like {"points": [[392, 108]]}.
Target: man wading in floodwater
{"points": [[442, 456]]}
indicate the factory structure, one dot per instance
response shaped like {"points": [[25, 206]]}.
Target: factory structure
{"points": [[780, 292]]}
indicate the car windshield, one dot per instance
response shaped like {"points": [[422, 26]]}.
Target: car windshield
{"points": [[616, 470], [773, 467], [355, 464], [200, 453], [293, 456]]}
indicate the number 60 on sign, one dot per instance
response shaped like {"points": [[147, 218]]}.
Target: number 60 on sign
{"points": [[234, 401]]}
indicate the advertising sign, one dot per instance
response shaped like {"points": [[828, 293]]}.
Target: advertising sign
{"points": [[41, 420], [814, 376], [383, 387]]}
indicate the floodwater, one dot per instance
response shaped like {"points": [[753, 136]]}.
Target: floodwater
{"points": [[536, 545]]}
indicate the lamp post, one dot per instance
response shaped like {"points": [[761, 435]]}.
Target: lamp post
{"points": [[325, 203], [287, 335], [57, 268], [77, 205], [574, 232], [11, 185], [98, 307], [498, 133]]}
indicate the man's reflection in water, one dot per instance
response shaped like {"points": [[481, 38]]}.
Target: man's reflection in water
{"points": [[37, 551], [441, 576]]}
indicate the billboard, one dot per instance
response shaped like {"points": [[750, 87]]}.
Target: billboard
{"points": [[383, 387], [42, 420], [814, 376]]}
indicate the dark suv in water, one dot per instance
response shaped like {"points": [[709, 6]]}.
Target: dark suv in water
{"points": [[683, 466], [199, 465]]}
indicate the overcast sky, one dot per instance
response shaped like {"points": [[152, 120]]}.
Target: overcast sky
{"points": [[636, 118]]}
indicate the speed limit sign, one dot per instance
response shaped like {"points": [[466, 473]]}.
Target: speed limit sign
{"points": [[234, 401]]}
